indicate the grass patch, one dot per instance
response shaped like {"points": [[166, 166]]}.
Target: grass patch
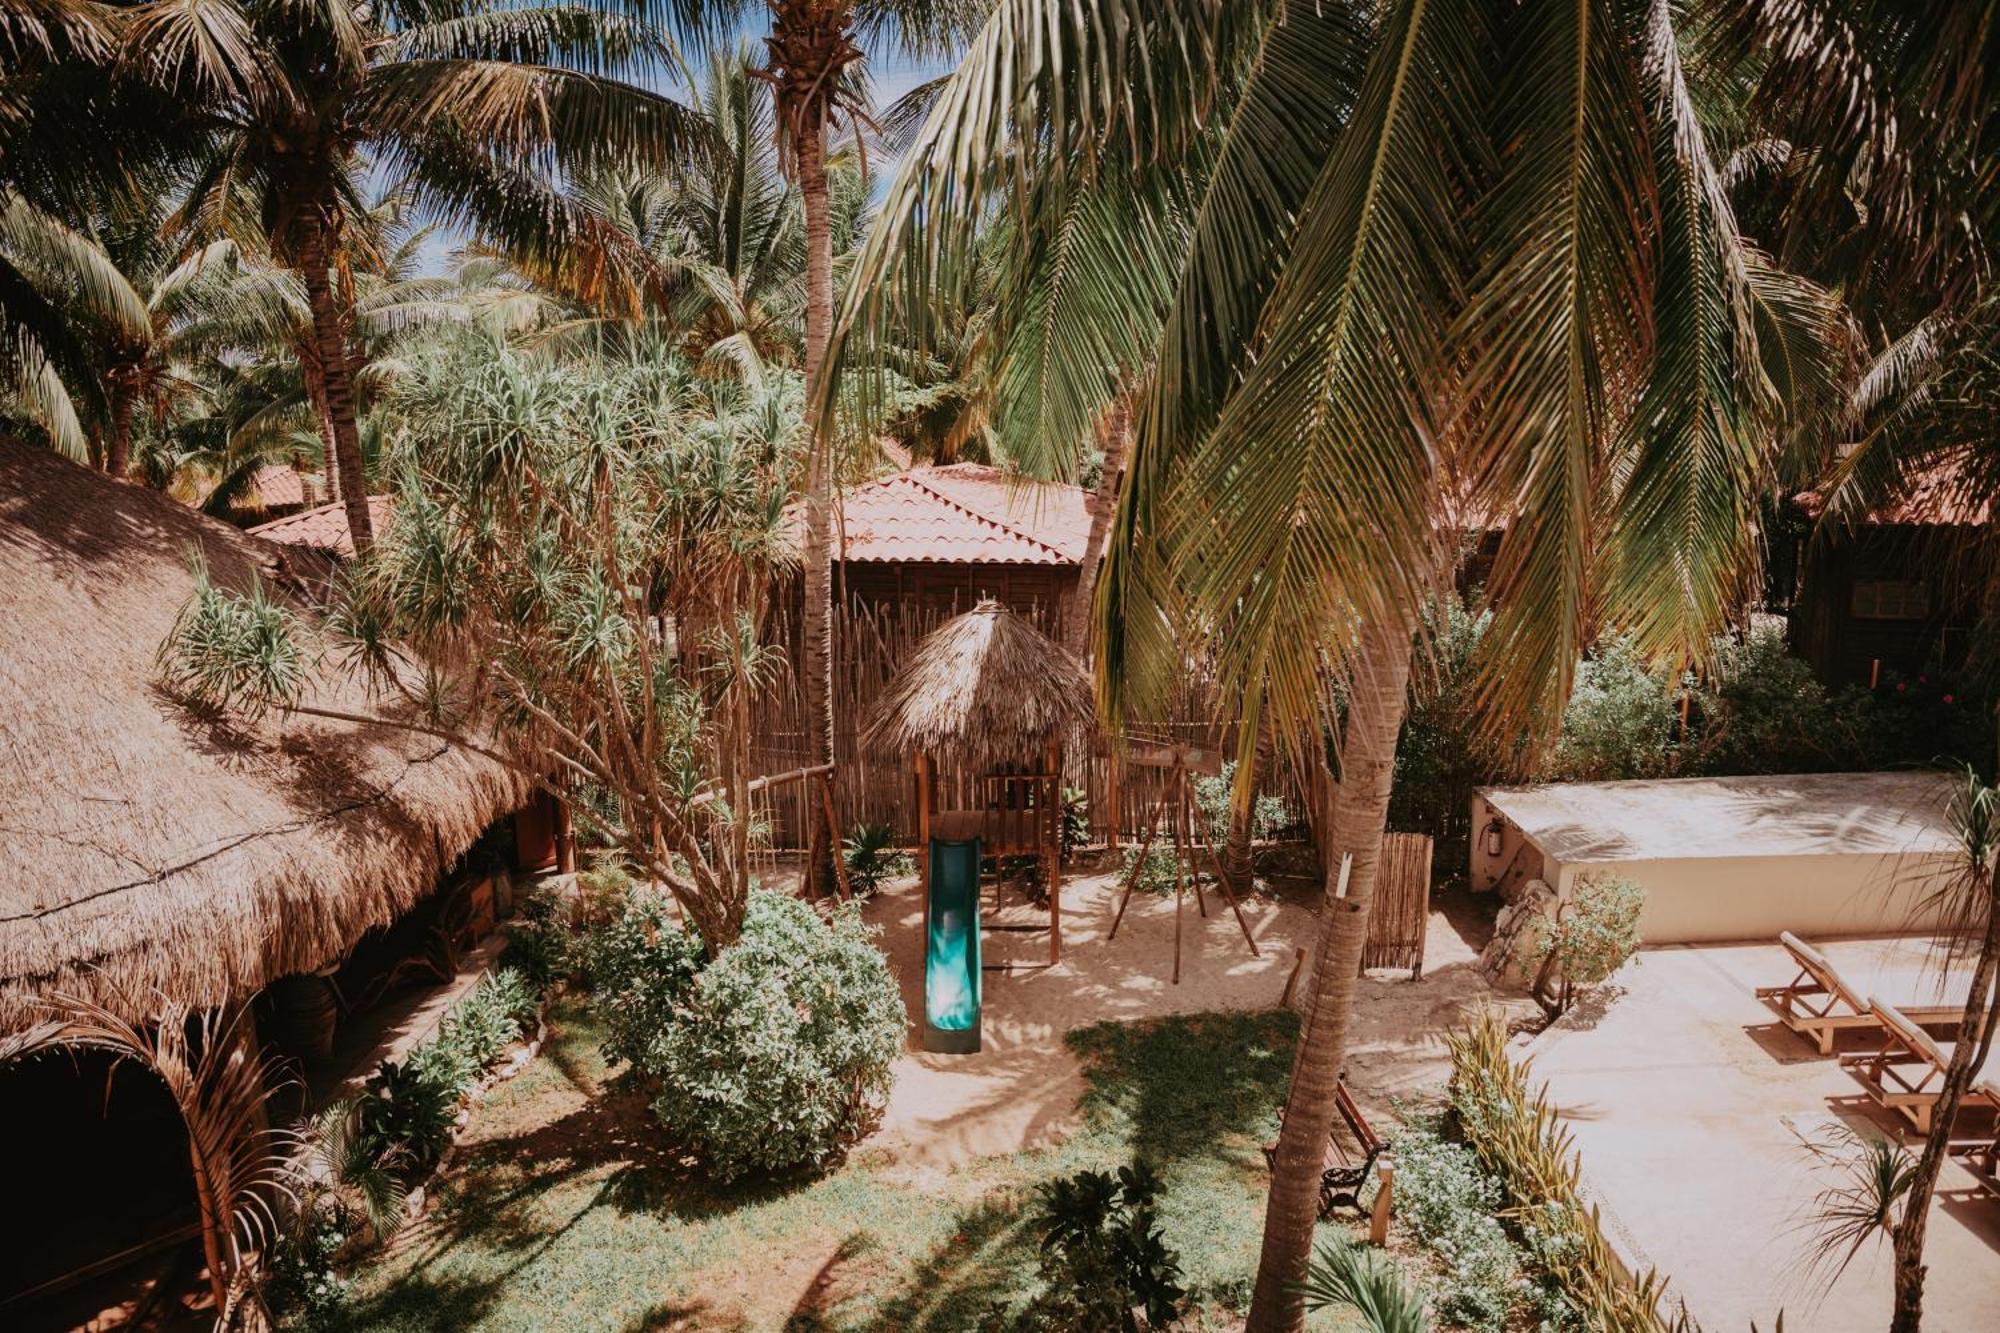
{"points": [[565, 1210]]}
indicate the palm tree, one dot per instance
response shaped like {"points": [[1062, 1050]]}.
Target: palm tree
{"points": [[816, 59], [471, 105], [1428, 243]]}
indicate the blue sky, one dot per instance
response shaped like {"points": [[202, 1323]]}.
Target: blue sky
{"points": [[892, 77]]}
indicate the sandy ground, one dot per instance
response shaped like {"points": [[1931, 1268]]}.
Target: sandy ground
{"points": [[1693, 1109], [1020, 1089]]}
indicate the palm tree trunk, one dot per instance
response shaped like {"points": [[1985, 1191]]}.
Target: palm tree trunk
{"points": [[1116, 433], [1367, 765], [810, 151], [337, 385], [316, 390], [1909, 1232], [1238, 860], [118, 455]]}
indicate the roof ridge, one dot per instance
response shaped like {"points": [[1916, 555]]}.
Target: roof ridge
{"points": [[1005, 527]]}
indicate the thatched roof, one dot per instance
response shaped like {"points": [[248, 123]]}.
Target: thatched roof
{"points": [[150, 849], [985, 688]]}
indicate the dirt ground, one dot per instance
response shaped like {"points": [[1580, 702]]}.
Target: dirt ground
{"points": [[1020, 1089]]}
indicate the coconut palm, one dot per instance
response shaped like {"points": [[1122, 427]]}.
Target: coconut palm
{"points": [[817, 51], [1431, 249], [472, 105]]}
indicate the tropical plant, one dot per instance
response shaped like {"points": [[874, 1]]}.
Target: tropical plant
{"points": [[874, 855], [221, 1088], [771, 1056], [1593, 931], [1347, 1276], [405, 1113], [1967, 899], [551, 518], [1104, 1258], [469, 104], [1583, 339]]}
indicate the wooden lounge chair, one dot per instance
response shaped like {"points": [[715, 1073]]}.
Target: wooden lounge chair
{"points": [[1906, 1075], [1341, 1178], [1819, 1003], [1982, 1158]]}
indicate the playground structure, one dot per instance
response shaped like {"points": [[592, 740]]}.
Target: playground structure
{"points": [[1178, 810], [989, 693]]}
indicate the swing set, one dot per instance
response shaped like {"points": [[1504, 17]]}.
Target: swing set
{"points": [[1177, 809]]}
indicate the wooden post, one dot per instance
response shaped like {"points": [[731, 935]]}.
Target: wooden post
{"points": [[1115, 793], [924, 831], [1378, 1216], [1052, 846], [825, 785], [565, 840]]}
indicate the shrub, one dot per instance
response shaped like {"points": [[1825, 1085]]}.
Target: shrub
{"points": [[640, 967], [1215, 793], [539, 942], [1160, 873], [1345, 1276], [1448, 1202], [1763, 711], [1103, 1255], [406, 1115], [772, 1057], [1620, 719], [1075, 820], [1440, 756], [873, 857], [1520, 1139], [1593, 932]]}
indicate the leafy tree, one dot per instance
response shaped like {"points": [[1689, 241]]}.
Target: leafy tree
{"points": [[1429, 250], [580, 553], [471, 105]]}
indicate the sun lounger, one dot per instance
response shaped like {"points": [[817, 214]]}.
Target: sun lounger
{"points": [[1907, 1074], [1819, 1002], [1982, 1158]]}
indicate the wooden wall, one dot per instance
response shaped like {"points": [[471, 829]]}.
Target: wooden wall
{"points": [[1843, 646]]}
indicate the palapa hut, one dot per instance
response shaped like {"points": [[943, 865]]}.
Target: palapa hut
{"points": [[984, 709], [151, 851]]}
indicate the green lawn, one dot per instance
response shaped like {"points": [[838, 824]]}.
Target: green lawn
{"points": [[565, 1212]]}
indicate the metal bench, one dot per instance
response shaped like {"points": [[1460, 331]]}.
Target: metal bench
{"points": [[1342, 1178]]}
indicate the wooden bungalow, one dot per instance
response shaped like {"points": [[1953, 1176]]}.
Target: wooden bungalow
{"points": [[1894, 591], [154, 852], [938, 540]]}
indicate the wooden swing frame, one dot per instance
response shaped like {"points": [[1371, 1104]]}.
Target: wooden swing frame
{"points": [[1176, 802]]}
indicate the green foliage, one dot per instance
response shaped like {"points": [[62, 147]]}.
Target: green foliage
{"points": [[1161, 871], [1440, 756], [1346, 1276], [226, 646], [1620, 719], [1075, 820], [1103, 1256], [1763, 711], [404, 1118], [406, 1114], [1214, 796], [1521, 1140], [1594, 931], [771, 1058], [1448, 1202], [873, 857], [305, 1289], [539, 942]]}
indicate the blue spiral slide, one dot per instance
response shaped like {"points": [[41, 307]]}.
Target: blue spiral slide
{"points": [[951, 950]]}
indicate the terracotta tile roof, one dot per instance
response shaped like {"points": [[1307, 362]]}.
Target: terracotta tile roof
{"points": [[324, 528], [276, 484], [965, 513], [1941, 495]]}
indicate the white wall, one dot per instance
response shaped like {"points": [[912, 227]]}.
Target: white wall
{"points": [[1755, 897]]}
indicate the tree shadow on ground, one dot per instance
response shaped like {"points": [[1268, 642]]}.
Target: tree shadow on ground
{"points": [[989, 1259]]}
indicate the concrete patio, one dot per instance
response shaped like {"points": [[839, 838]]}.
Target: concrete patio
{"points": [[1695, 1112]]}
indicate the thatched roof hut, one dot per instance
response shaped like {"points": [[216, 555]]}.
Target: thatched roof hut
{"points": [[149, 849], [985, 689]]}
